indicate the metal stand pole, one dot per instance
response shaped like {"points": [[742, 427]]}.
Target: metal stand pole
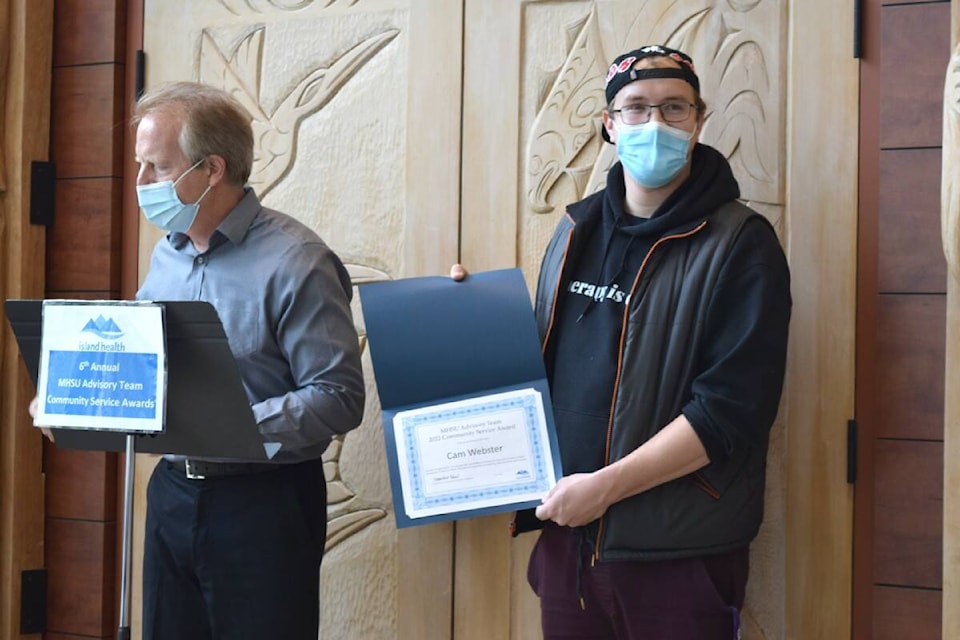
{"points": [[123, 633]]}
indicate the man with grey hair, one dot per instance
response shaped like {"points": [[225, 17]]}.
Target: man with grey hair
{"points": [[233, 548]]}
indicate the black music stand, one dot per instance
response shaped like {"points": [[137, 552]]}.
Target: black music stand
{"points": [[207, 413]]}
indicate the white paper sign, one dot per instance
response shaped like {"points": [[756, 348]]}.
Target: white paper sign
{"points": [[102, 366]]}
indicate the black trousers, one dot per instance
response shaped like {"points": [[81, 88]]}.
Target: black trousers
{"points": [[234, 557]]}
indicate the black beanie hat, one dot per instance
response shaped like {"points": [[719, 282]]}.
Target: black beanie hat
{"points": [[621, 71]]}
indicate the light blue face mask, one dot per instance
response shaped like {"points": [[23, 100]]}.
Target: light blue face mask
{"points": [[162, 206], [652, 153]]}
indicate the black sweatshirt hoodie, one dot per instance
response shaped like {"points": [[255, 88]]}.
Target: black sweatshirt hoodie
{"points": [[581, 359]]}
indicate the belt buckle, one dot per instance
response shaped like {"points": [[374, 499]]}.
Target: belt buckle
{"points": [[191, 474]]}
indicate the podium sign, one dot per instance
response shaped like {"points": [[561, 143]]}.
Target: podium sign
{"points": [[207, 413], [102, 366]]}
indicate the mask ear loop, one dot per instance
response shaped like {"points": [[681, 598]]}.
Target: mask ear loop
{"points": [[182, 175], [202, 195]]}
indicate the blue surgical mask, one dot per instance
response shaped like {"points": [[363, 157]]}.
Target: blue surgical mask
{"points": [[162, 206], [652, 153]]}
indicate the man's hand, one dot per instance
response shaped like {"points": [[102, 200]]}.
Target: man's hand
{"points": [[457, 272], [575, 500], [33, 408]]}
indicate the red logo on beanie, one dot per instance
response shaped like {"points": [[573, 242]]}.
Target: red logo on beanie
{"points": [[620, 68]]}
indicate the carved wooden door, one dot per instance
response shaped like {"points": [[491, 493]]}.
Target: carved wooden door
{"points": [[533, 91], [412, 133], [356, 113]]}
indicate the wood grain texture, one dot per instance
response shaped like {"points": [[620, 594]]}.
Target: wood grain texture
{"points": [[910, 260], [822, 218], [491, 133], [913, 58], [84, 242], [910, 360], [482, 579], [950, 613], [81, 485], [524, 604], [906, 613], [80, 565], [867, 411], [89, 31], [908, 513], [88, 121], [27, 27]]}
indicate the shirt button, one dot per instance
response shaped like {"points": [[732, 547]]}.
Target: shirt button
{"points": [[201, 259]]}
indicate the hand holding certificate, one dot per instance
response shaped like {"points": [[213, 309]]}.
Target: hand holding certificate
{"points": [[467, 421]]}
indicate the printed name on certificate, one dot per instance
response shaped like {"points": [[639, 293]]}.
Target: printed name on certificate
{"points": [[472, 454]]}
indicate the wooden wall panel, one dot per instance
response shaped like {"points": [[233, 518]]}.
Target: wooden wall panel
{"points": [[910, 362], [950, 612], [86, 117], [80, 576], [909, 513], [906, 613], [910, 257], [901, 322], [912, 62], [26, 34], [87, 237], [88, 31], [84, 257], [80, 484]]}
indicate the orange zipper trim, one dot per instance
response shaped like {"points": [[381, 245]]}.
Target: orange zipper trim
{"points": [[705, 486], [623, 336]]}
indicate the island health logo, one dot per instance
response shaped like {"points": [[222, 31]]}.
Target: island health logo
{"points": [[104, 328]]}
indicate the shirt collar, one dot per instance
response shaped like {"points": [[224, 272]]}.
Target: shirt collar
{"points": [[234, 227], [238, 221]]}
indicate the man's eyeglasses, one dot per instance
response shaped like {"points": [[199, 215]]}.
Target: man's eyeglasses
{"points": [[669, 111]]}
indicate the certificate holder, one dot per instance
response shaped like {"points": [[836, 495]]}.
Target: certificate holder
{"points": [[468, 423]]}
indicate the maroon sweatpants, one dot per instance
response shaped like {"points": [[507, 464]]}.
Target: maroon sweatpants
{"points": [[687, 599]]}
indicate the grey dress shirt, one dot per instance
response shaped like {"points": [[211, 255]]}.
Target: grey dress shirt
{"points": [[284, 299]]}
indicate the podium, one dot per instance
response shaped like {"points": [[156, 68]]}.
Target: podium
{"points": [[207, 415]]}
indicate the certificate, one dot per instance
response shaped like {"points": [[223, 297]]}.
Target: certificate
{"points": [[474, 454], [467, 419]]}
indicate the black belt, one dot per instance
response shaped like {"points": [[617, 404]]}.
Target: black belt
{"points": [[202, 469]]}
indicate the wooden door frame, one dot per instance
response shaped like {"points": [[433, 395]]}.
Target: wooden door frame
{"points": [[867, 311], [27, 27], [950, 615], [822, 244]]}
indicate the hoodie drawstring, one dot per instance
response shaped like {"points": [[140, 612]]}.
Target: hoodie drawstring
{"points": [[581, 558], [610, 281]]}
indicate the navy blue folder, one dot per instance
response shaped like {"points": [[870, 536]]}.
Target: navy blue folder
{"points": [[433, 340]]}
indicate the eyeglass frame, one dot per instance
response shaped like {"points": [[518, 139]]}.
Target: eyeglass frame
{"points": [[659, 107]]}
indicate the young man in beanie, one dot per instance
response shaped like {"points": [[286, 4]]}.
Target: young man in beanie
{"points": [[663, 305]]}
